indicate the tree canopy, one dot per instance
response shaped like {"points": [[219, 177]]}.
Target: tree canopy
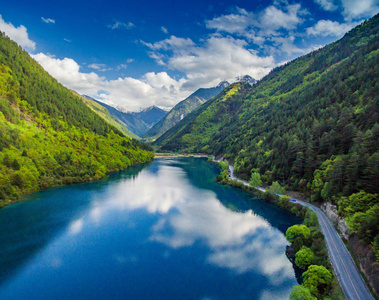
{"points": [[48, 136], [297, 231], [311, 124], [317, 278], [304, 257], [301, 293]]}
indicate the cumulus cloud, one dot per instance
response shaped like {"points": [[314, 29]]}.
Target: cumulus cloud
{"points": [[232, 23], [164, 30], [217, 59], [330, 28], [287, 45], [353, 9], [172, 43], [18, 34], [265, 23], [327, 5], [119, 25], [152, 89], [272, 30], [48, 20], [275, 18]]}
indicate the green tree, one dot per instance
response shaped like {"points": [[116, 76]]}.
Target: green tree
{"points": [[255, 180], [297, 231], [301, 293], [304, 257], [317, 278], [15, 164], [276, 189]]}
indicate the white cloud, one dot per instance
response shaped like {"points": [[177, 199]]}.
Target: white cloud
{"points": [[330, 28], [275, 18], [172, 43], [272, 30], [327, 5], [67, 40], [121, 66], [233, 23], [354, 9], [216, 60], [287, 45], [99, 67], [96, 66], [164, 30], [119, 25], [66, 71], [264, 23], [18, 34], [152, 89], [47, 20]]}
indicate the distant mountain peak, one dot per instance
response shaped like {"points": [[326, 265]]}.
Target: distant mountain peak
{"points": [[246, 78], [223, 84], [153, 107]]}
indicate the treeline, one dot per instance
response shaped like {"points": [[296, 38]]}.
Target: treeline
{"points": [[48, 137], [308, 249], [312, 125], [30, 82]]}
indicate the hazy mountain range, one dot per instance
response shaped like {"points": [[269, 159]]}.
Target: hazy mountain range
{"points": [[136, 122]]}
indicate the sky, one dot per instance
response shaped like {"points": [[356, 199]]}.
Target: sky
{"points": [[134, 54]]}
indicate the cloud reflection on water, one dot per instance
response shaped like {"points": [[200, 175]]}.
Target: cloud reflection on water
{"points": [[238, 241]]}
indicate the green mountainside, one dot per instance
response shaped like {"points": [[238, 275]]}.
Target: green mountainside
{"points": [[136, 122], [48, 136], [311, 124], [106, 115], [194, 132], [183, 108]]}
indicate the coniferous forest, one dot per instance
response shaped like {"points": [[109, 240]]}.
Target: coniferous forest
{"points": [[311, 124], [48, 136]]}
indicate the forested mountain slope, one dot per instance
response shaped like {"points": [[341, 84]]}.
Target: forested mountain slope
{"points": [[311, 124], [183, 108], [106, 115], [48, 136], [133, 123], [193, 133]]}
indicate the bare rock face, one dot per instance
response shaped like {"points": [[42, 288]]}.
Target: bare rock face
{"points": [[331, 212], [367, 262]]}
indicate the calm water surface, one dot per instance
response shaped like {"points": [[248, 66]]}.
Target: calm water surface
{"points": [[159, 231]]}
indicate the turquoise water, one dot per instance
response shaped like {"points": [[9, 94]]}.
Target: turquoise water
{"points": [[160, 231]]}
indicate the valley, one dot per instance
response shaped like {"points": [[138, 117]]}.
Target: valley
{"points": [[191, 150]]}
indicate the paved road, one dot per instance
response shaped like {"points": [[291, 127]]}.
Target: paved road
{"points": [[347, 273]]}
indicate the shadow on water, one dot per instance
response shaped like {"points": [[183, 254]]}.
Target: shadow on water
{"points": [[29, 225]]}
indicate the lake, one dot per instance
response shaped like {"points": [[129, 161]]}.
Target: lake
{"points": [[165, 230]]}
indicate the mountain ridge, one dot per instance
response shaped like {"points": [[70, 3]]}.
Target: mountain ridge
{"points": [[183, 108], [311, 125], [136, 122], [48, 136]]}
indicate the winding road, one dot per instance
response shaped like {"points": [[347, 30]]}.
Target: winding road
{"points": [[347, 273]]}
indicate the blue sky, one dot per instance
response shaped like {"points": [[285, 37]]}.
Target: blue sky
{"points": [[134, 54]]}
